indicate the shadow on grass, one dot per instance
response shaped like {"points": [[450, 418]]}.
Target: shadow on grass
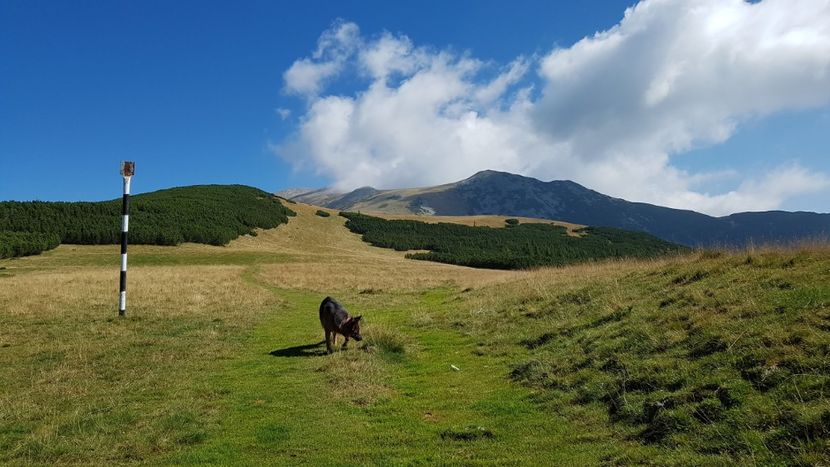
{"points": [[308, 350]]}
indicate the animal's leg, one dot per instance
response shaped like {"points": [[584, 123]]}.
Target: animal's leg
{"points": [[345, 343], [329, 347]]}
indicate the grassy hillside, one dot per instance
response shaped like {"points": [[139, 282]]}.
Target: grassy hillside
{"points": [[682, 360], [211, 214], [714, 357], [517, 246]]}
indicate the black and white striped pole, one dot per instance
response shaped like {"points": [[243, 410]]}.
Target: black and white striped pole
{"points": [[127, 171]]}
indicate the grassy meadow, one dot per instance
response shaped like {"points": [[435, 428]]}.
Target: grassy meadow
{"points": [[706, 358]]}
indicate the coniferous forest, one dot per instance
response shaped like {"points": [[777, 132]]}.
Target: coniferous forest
{"points": [[14, 244], [516, 246], [211, 214]]}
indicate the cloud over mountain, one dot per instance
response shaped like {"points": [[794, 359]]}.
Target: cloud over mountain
{"points": [[609, 112]]}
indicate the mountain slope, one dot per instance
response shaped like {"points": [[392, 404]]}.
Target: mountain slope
{"points": [[499, 193]]}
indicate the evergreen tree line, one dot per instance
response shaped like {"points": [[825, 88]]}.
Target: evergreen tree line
{"points": [[211, 214], [13, 244], [516, 246]]}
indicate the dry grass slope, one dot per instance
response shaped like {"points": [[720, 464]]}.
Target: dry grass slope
{"points": [[326, 257]]}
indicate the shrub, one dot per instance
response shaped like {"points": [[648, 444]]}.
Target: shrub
{"points": [[13, 244]]}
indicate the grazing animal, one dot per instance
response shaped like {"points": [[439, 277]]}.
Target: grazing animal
{"points": [[336, 320]]}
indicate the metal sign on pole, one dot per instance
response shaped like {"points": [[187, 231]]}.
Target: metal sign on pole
{"points": [[127, 171]]}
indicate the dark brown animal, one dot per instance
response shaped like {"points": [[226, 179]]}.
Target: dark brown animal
{"points": [[336, 320]]}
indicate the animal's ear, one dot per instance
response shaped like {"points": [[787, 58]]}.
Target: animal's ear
{"points": [[358, 317]]}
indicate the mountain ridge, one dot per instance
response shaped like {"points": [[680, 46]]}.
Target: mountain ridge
{"points": [[491, 192]]}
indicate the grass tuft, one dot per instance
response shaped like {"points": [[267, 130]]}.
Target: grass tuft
{"points": [[468, 433], [386, 340]]}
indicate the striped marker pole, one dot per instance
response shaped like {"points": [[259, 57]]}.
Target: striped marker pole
{"points": [[127, 171]]}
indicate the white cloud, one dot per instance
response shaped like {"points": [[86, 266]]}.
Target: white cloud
{"points": [[611, 112], [497, 87], [390, 54], [676, 74], [307, 76], [765, 194], [283, 113]]}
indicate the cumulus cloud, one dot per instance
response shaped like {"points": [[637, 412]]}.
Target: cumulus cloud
{"points": [[609, 112], [307, 76], [766, 193]]}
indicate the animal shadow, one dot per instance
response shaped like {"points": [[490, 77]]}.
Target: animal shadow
{"points": [[308, 350]]}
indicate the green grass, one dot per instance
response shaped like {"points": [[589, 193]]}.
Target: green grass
{"points": [[723, 358], [117, 391], [255, 389], [709, 358], [393, 399]]}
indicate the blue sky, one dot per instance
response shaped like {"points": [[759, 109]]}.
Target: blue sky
{"points": [[192, 91]]}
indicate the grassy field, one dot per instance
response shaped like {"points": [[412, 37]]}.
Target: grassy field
{"points": [[706, 358]]}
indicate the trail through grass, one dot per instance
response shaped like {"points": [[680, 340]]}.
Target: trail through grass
{"points": [[410, 393]]}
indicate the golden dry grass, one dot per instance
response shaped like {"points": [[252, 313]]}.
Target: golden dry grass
{"points": [[153, 292], [311, 252], [319, 255], [335, 275], [311, 236], [326, 257]]}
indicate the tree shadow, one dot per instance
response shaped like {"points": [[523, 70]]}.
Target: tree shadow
{"points": [[308, 350]]}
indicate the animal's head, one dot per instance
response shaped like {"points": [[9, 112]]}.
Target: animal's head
{"points": [[353, 328]]}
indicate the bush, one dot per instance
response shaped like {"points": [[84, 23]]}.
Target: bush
{"points": [[322, 213]]}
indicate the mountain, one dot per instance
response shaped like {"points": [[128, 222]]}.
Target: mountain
{"points": [[500, 193]]}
